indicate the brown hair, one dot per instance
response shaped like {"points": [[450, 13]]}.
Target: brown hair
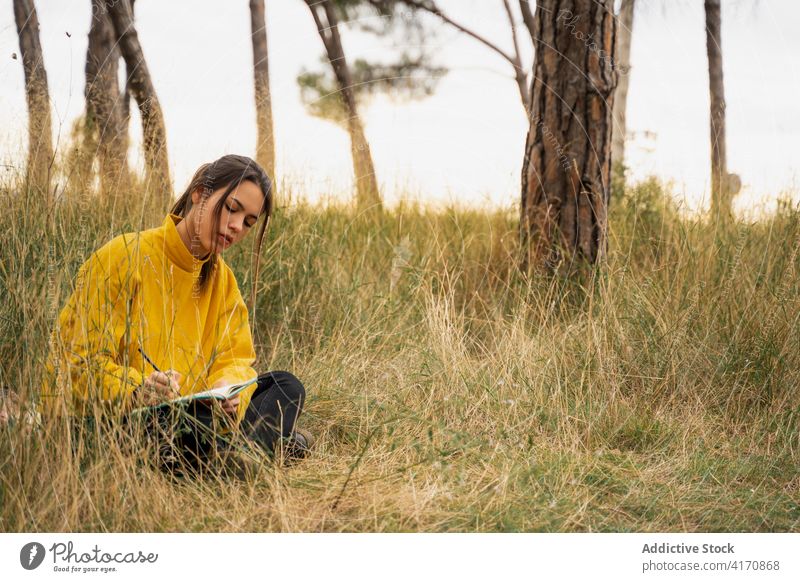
{"points": [[227, 172]]}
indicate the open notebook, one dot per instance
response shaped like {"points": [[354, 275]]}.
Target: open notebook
{"points": [[220, 393]]}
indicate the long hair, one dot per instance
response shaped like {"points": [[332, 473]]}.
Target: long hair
{"points": [[227, 172]]}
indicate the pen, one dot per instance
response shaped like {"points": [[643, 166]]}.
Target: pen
{"points": [[149, 361]]}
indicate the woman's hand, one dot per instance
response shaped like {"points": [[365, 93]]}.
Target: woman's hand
{"points": [[9, 406], [231, 405], [161, 386]]}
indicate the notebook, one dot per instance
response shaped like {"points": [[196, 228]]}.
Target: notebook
{"points": [[219, 393]]}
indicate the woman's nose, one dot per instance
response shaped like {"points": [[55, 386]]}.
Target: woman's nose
{"points": [[235, 225]]}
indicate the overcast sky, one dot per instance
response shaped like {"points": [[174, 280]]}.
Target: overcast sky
{"points": [[466, 142]]}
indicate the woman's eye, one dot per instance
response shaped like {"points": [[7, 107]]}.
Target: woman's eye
{"points": [[229, 208]]}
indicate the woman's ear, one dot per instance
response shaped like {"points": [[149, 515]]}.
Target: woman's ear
{"points": [[195, 196]]}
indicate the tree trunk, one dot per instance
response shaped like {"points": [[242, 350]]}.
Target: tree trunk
{"points": [[720, 192], [125, 110], [103, 106], [265, 149], [40, 136], [141, 86], [367, 194], [622, 59], [567, 164]]}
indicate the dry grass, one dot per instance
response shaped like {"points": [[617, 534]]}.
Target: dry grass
{"points": [[449, 393]]}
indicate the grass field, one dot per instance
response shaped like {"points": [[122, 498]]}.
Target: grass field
{"points": [[447, 391]]}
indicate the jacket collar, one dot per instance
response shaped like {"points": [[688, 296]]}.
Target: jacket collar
{"points": [[176, 249]]}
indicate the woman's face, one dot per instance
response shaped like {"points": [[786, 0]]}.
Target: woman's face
{"points": [[239, 214]]}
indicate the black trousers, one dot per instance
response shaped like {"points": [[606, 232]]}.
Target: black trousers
{"points": [[189, 434]]}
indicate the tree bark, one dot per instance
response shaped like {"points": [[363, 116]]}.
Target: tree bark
{"points": [[104, 114], [265, 148], [141, 86], [40, 136], [367, 194], [622, 64], [567, 164], [720, 192]]}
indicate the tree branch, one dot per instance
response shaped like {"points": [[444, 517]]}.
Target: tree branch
{"points": [[433, 9], [528, 19], [519, 73]]}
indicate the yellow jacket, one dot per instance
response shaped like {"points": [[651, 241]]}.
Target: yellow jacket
{"points": [[140, 290]]}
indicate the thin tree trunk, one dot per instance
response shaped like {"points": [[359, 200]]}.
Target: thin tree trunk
{"points": [[154, 132], [265, 149], [125, 110], [528, 18], [367, 194], [567, 164], [622, 60], [103, 105], [720, 198], [520, 75], [40, 137]]}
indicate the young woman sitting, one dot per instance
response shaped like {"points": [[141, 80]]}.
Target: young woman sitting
{"points": [[157, 314]]}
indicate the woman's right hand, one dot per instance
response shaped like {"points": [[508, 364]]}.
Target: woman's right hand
{"points": [[161, 386]]}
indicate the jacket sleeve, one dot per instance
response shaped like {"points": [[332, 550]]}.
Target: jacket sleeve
{"points": [[234, 355], [93, 328]]}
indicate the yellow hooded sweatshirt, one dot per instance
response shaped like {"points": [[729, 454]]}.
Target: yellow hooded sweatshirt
{"points": [[140, 291]]}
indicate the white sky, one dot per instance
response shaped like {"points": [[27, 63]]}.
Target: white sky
{"points": [[466, 142]]}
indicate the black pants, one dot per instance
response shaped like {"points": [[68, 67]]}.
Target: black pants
{"points": [[189, 434]]}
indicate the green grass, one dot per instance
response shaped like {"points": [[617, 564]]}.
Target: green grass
{"points": [[447, 391]]}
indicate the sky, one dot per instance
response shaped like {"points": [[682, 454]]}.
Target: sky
{"points": [[465, 143]]}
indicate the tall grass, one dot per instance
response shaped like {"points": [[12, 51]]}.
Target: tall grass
{"points": [[447, 391]]}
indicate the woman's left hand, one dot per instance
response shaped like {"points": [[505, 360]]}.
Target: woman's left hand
{"points": [[231, 405]]}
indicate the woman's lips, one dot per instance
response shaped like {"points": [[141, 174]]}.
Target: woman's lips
{"points": [[223, 241]]}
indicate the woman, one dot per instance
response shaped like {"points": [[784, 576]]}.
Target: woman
{"points": [[158, 314]]}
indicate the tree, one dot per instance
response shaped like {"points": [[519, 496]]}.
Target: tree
{"points": [[141, 87], [336, 93], [622, 58], [40, 137], [105, 118], [327, 21], [567, 162], [723, 185], [265, 148]]}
